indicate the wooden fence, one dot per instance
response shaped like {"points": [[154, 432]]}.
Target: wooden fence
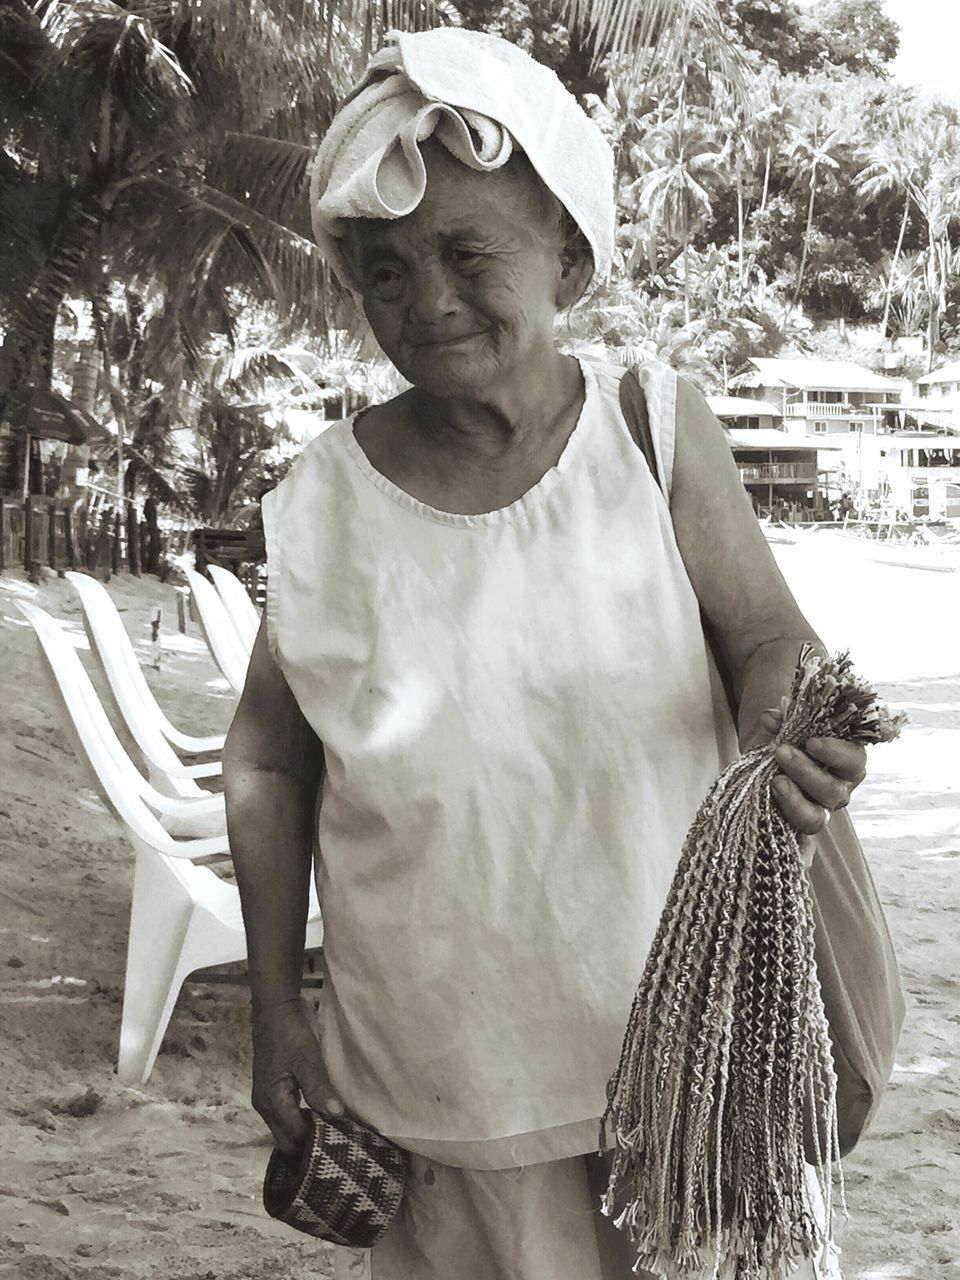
{"points": [[50, 533], [47, 533]]}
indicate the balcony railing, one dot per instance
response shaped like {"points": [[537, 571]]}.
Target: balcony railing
{"points": [[814, 410], [752, 472]]}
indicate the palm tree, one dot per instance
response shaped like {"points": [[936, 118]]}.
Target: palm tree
{"points": [[812, 147], [170, 139], [887, 170], [672, 196], [741, 120], [165, 133], [933, 162], [904, 284], [767, 123], [233, 433]]}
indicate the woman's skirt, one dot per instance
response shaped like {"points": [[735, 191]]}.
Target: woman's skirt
{"points": [[541, 1222]]}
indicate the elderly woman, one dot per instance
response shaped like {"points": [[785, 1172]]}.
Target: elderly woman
{"points": [[484, 650]]}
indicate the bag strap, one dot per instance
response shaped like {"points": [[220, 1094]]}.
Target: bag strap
{"points": [[633, 406]]}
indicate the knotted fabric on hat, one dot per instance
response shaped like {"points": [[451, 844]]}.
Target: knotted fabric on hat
{"points": [[482, 98]]}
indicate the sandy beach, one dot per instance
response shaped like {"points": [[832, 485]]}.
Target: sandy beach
{"points": [[99, 1180]]}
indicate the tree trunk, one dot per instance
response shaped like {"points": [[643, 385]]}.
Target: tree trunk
{"points": [[933, 298], [888, 299], [806, 236], [766, 183], [740, 222], [86, 373], [685, 236], [38, 311]]}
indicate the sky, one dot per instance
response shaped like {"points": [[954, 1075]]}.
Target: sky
{"points": [[929, 44]]}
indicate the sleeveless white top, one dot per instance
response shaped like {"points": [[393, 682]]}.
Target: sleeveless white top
{"points": [[518, 725]]}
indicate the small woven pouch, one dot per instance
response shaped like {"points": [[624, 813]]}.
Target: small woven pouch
{"points": [[345, 1186]]}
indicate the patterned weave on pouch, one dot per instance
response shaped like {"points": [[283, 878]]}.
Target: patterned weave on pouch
{"points": [[345, 1186]]}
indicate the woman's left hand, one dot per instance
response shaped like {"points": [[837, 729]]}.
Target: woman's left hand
{"points": [[814, 781]]}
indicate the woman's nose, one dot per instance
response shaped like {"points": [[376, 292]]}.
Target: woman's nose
{"points": [[433, 294]]}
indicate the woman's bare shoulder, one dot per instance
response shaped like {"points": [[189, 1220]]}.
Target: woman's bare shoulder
{"points": [[383, 417]]}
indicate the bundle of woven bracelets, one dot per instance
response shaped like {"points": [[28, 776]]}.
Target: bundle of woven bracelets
{"points": [[725, 1090]]}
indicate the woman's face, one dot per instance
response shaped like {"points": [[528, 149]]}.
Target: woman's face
{"points": [[462, 293]]}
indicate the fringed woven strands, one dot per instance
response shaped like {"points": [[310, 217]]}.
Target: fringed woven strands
{"points": [[726, 1061]]}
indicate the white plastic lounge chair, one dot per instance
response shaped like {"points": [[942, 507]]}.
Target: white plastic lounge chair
{"points": [[144, 718], [225, 645], [183, 916], [243, 612], [111, 771]]}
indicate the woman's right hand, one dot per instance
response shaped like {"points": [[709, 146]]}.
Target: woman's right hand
{"points": [[288, 1065]]}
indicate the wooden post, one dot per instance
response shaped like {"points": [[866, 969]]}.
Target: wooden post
{"points": [[151, 561], [155, 646], [101, 546], [3, 536], [82, 547], [28, 537], [116, 557], [68, 536], [52, 535], [26, 468], [133, 540]]}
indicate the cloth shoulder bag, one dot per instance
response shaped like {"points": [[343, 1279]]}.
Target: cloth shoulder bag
{"points": [[856, 963]]}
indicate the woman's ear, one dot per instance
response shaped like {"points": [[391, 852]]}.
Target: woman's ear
{"points": [[576, 271]]}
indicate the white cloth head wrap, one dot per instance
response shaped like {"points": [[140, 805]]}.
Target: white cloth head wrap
{"points": [[483, 98]]}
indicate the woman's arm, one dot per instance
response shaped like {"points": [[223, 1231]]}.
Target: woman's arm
{"points": [[272, 769], [754, 618]]}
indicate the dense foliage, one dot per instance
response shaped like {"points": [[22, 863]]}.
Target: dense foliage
{"points": [[772, 181], [813, 192]]}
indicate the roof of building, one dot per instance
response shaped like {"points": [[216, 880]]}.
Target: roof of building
{"points": [[50, 416], [742, 407], [921, 440], [766, 438], [822, 375], [946, 373]]}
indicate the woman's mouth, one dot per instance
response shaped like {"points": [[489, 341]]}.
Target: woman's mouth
{"points": [[453, 341]]}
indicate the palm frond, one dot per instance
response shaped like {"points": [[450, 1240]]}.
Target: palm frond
{"points": [[656, 36], [268, 175], [245, 370], [23, 47], [114, 81], [202, 241], [258, 58]]}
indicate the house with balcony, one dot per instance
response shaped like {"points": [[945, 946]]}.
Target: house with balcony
{"points": [[938, 393], [823, 397], [778, 470]]}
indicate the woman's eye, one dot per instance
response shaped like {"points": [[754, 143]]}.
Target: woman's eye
{"points": [[384, 282], [467, 258]]}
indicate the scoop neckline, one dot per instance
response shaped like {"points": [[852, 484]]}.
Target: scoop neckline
{"points": [[520, 506]]}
